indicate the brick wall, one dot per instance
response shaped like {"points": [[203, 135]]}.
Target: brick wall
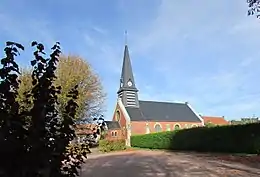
{"points": [[140, 127], [122, 120], [115, 134]]}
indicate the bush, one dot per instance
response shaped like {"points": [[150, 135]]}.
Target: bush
{"points": [[34, 141], [111, 145], [160, 140], [232, 139]]}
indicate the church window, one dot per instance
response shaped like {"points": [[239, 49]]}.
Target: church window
{"points": [[177, 127], [113, 134], [147, 129], [158, 128], [168, 127], [117, 115]]}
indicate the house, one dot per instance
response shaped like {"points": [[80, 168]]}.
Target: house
{"points": [[245, 121], [140, 117], [215, 120], [84, 130], [114, 131]]}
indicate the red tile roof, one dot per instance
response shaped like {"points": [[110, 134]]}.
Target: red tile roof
{"points": [[215, 120], [86, 128]]}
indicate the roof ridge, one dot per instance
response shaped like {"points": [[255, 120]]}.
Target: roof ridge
{"points": [[166, 102]]}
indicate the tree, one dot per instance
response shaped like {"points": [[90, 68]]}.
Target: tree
{"points": [[73, 70], [254, 7], [40, 147]]}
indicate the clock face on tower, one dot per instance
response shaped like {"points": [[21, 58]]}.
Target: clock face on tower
{"points": [[129, 83]]}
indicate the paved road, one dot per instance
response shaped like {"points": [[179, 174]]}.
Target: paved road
{"points": [[143, 163]]}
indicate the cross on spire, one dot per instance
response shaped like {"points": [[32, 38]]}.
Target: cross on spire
{"points": [[125, 37]]}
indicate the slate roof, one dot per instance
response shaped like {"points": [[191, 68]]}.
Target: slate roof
{"points": [[84, 129], [112, 125], [127, 72], [162, 111]]}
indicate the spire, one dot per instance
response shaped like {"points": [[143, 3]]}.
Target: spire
{"points": [[127, 77], [127, 91]]}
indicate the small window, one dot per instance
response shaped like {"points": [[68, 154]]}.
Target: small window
{"points": [[114, 133], [168, 127], [158, 128], [177, 127]]}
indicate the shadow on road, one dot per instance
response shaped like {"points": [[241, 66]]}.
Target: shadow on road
{"points": [[144, 164]]}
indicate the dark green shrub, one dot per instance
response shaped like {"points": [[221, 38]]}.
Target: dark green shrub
{"points": [[111, 145], [233, 138], [160, 140], [33, 142]]}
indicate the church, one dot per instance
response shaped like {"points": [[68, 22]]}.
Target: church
{"points": [[136, 116]]}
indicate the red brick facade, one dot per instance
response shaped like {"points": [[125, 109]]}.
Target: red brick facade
{"points": [[118, 114], [115, 134], [141, 127], [138, 127]]}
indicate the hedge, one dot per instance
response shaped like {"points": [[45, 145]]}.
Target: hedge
{"points": [[111, 145], [230, 139]]}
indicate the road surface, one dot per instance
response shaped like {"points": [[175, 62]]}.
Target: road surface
{"points": [[142, 163]]}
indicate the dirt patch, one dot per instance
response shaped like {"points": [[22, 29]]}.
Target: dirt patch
{"points": [[250, 160]]}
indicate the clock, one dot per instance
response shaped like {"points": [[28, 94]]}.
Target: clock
{"points": [[129, 83]]}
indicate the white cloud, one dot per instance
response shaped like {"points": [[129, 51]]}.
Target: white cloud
{"points": [[88, 39], [213, 84], [99, 30]]}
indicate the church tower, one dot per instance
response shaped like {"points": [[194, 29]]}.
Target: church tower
{"points": [[128, 91]]}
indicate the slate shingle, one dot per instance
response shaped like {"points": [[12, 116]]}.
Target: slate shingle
{"points": [[162, 111], [112, 125]]}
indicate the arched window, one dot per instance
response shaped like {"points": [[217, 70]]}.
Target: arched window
{"points": [[177, 127], [158, 128], [117, 115], [147, 129], [115, 133]]}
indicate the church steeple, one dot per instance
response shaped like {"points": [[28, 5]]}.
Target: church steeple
{"points": [[128, 91]]}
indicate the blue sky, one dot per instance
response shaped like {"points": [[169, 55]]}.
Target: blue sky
{"points": [[200, 51]]}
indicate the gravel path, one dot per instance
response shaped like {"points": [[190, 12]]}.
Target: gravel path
{"points": [[142, 163]]}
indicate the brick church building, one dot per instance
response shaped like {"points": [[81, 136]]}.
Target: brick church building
{"points": [[141, 117]]}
